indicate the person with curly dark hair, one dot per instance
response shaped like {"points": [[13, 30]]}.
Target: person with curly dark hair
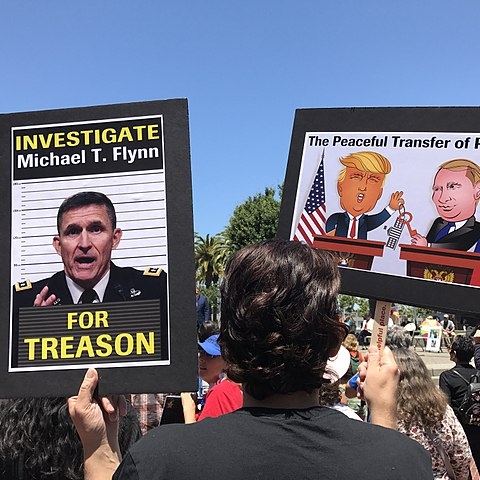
{"points": [[279, 326], [38, 440], [454, 383]]}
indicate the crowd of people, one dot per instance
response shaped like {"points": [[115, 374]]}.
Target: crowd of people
{"points": [[288, 395]]}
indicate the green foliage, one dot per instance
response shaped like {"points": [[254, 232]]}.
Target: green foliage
{"points": [[354, 305], [213, 295], [210, 256], [254, 220]]}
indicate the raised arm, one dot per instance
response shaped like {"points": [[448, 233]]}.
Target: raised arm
{"points": [[96, 421], [379, 382]]}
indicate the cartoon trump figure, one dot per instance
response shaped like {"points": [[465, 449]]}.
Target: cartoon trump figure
{"points": [[360, 186]]}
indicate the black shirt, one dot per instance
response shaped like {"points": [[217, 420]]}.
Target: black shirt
{"points": [[258, 443]]}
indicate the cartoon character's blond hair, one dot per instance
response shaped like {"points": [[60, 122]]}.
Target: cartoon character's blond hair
{"points": [[371, 162], [459, 164]]}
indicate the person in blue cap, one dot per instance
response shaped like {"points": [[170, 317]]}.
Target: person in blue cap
{"points": [[223, 396]]}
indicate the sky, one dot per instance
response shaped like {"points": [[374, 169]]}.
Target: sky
{"points": [[244, 66]]}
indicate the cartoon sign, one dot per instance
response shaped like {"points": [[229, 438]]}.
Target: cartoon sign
{"points": [[101, 239], [401, 200]]}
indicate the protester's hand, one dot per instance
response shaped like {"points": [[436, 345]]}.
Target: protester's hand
{"points": [[189, 407], [96, 421], [378, 383], [419, 240], [396, 200], [43, 299]]}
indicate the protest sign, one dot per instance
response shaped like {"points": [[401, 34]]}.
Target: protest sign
{"points": [[98, 198], [393, 193]]}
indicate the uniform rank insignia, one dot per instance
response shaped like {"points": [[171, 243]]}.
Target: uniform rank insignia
{"points": [[25, 285], [153, 271]]}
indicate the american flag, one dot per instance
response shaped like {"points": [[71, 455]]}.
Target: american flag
{"points": [[312, 220]]}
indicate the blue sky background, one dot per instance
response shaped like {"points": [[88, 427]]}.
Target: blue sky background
{"points": [[245, 66]]}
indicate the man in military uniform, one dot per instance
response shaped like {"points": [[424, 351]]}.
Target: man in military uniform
{"points": [[87, 234]]}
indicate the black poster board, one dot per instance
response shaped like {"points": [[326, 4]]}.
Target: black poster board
{"points": [[383, 263], [140, 332]]}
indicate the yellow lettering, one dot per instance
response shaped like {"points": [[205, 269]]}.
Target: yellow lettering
{"points": [[101, 319], [31, 347], [118, 344], [72, 139], [46, 141], [81, 319], [49, 344], [86, 136], [66, 345], [139, 129], [123, 344], [109, 135], [85, 344], [103, 342], [153, 132], [142, 342], [59, 139], [71, 318], [125, 133]]}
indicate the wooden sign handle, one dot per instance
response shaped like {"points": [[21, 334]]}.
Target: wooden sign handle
{"points": [[379, 332]]}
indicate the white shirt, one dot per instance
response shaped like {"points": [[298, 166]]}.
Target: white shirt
{"points": [[76, 291], [351, 217]]}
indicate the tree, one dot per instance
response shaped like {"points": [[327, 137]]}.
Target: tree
{"points": [[354, 305], [210, 256], [254, 220]]}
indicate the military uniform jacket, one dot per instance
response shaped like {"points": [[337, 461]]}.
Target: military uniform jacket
{"points": [[125, 284]]}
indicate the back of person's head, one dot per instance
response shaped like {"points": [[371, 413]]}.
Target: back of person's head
{"points": [[279, 320], [420, 401], [463, 347], [351, 342], [38, 439], [330, 394], [397, 337], [207, 329]]}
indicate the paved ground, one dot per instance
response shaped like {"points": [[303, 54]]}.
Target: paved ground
{"points": [[436, 362]]}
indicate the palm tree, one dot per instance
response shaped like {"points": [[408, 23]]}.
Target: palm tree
{"points": [[210, 256]]}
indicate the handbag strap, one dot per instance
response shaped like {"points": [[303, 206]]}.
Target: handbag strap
{"points": [[464, 379], [461, 376], [438, 445]]}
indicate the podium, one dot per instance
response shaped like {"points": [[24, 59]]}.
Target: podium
{"points": [[351, 252], [441, 264]]}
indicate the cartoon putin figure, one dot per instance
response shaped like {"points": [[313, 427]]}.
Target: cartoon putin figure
{"points": [[455, 193], [360, 186]]}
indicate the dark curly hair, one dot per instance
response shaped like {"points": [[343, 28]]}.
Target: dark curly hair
{"points": [[279, 318], [38, 440], [463, 347]]}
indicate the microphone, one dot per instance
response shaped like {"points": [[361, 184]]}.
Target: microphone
{"points": [[120, 291]]}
